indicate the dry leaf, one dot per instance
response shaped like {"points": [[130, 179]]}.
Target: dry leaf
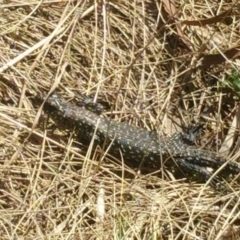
{"points": [[214, 59], [203, 22]]}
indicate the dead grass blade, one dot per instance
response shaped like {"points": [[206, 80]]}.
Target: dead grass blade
{"points": [[139, 58], [31, 50], [232, 141]]}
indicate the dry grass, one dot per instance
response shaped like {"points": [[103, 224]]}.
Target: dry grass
{"points": [[129, 54]]}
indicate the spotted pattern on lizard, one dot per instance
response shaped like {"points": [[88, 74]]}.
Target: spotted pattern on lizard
{"points": [[135, 144]]}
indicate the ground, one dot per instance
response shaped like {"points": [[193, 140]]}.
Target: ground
{"points": [[160, 65]]}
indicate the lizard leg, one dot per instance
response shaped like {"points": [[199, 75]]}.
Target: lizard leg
{"points": [[201, 172], [209, 159]]}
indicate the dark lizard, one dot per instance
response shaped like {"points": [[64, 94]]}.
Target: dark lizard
{"points": [[136, 144]]}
